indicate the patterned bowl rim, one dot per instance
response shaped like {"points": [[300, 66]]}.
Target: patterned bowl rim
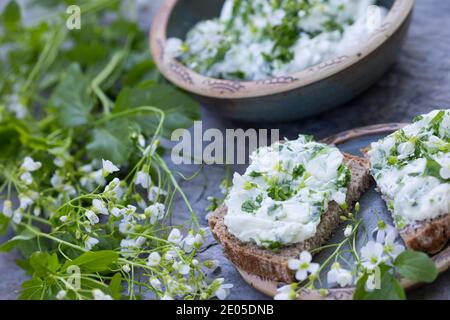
{"points": [[198, 84]]}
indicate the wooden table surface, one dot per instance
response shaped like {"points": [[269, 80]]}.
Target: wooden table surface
{"points": [[418, 83]]}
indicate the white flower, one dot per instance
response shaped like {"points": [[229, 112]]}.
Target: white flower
{"points": [[126, 268], [170, 255], [126, 225], [392, 248], [99, 295], [224, 289], [154, 193], [286, 292], [155, 212], [372, 255], [56, 180], [340, 276], [303, 266], [130, 209], [153, 259], [17, 216], [59, 162], [155, 283], [370, 284], [192, 241], [382, 229], [61, 295], [140, 241], [99, 207], [181, 268], [30, 165], [15, 106], [116, 187], [108, 167], [63, 219], [143, 179], [92, 217], [141, 141], [116, 212], [27, 178], [132, 243], [7, 208], [25, 202], [348, 231], [90, 242], [37, 211], [174, 236]]}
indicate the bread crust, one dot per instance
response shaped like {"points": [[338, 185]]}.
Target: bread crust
{"points": [[430, 236], [272, 265]]}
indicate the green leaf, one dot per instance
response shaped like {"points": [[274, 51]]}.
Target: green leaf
{"points": [[180, 109], [11, 16], [433, 169], [112, 141], [416, 266], [436, 121], [13, 242], [71, 98], [44, 263], [4, 223], [390, 288], [33, 289], [25, 265], [115, 286], [95, 261]]}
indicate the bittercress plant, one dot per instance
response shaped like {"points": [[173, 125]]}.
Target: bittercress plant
{"points": [[84, 182]]}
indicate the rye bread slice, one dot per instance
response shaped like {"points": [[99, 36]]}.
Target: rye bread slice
{"points": [[430, 236], [272, 265]]}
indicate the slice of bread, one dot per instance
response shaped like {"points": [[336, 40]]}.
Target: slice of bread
{"points": [[273, 265], [429, 236]]}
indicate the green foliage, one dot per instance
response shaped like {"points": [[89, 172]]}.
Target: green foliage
{"points": [[72, 99], [97, 261], [390, 288], [11, 17], [79, 97], [416, 266]]}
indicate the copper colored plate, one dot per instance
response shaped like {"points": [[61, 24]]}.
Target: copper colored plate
{"points": [[269, 287]]}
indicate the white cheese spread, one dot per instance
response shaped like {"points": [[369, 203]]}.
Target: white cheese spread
{"points": [[412, 168], [259, 39], [283, 193]]}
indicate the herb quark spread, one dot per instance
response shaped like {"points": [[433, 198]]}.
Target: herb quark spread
{"points": [[283, 193], [259, 39], [412, 168]]}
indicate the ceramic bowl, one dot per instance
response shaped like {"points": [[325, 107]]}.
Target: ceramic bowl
{"points": [[294, 96]]}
